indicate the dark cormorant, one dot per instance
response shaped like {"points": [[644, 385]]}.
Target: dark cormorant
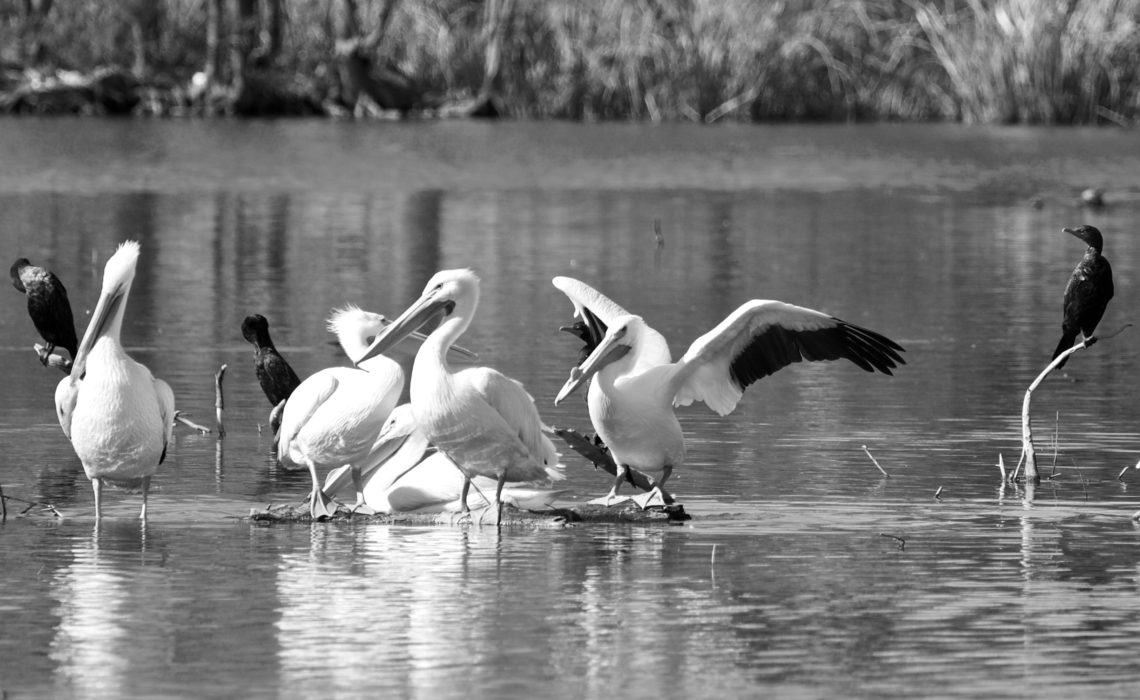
{"points": [[277, 378], [48, 306], [1088, 292]]}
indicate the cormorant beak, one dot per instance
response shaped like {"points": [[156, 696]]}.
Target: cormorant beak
{"points": [[609, 350], [107, 308]]}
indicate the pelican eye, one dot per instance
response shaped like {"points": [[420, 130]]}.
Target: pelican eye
{"points": [[369, 339]]}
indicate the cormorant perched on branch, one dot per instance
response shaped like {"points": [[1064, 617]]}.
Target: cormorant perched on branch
{"points": [[1088, 292], [276, 377], [48, 306]]}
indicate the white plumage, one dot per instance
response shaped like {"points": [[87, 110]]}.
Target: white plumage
{"points": [[407, 474], [636, 385], [483, 420], [118, 416], [333, 417]]}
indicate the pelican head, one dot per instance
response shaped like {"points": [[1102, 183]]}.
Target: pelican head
{"points": [[355, 329], [107, 319], [400, 436], [448, 295], [621, 337], [1088, 234]]}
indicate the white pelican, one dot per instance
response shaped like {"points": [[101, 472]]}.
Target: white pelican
{"points": [[118, 417], [405, 473], [333, 417], [637, 385], [483, 420]]}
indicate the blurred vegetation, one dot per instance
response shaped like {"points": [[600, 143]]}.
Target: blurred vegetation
{"points": [[992, 61]]}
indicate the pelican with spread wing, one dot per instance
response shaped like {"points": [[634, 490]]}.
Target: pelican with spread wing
{"points": [[636, 385]]}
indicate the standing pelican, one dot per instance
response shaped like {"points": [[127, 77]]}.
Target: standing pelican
{"points": [[276, 377], [636, 384], [405, 473], [1088, 292], [483, 420], [48, 306], [118, 416], [332, 418]]}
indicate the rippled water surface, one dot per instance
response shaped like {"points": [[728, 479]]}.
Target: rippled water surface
{"points": [[804, 572]]}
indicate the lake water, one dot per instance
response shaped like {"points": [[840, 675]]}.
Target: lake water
{"points": [[804, 572]]}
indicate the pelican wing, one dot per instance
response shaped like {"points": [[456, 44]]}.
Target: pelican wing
{"points": [[763, 336], [66, 394], [597, 312], [165, 397], [302, 404], [516, 407]]}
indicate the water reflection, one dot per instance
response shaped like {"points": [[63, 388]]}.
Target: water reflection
{"points": [[922, 234], [114, 613]]}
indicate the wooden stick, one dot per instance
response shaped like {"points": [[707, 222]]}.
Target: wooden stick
{"points": [[219, 402], [4, 504], [884, 471], [1120, 476], [179, 418], [1001, 466], [938, 493], [53, 360]]}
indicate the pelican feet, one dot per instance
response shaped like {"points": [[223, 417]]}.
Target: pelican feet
{"points": [[653, 497], [610, 499], [320, 505], [363, 508]]}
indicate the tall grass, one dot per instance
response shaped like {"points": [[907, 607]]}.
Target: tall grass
{"points": [[1039, 61], [1033, 61]]}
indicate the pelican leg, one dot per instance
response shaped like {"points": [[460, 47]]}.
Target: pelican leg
{"points": [[612, 498], [464, 511], [656, 496], [318, 502], [360, 507], [145, 488], [499, 499], [97, 487]]}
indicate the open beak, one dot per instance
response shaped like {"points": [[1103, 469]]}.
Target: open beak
{"points": [[107, 307], [607, 351]]}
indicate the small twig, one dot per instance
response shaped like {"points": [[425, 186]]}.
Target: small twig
{"points": [[1001, 466], [31, 504], [179, 418], [884, 471], [219, 402], [1120, 476], [712, 558], [938, 493], [4, 505], [1056, 440]]}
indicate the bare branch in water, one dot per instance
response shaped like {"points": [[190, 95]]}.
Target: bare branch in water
{"points": [[219, 402], [179, 418], [884, 471]]}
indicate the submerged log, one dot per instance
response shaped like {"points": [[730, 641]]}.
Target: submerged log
{"points": [[553, 519]]}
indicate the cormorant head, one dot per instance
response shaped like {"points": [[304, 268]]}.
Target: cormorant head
{"points": [[15, 273], [1088, 234], [255, 329]]}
